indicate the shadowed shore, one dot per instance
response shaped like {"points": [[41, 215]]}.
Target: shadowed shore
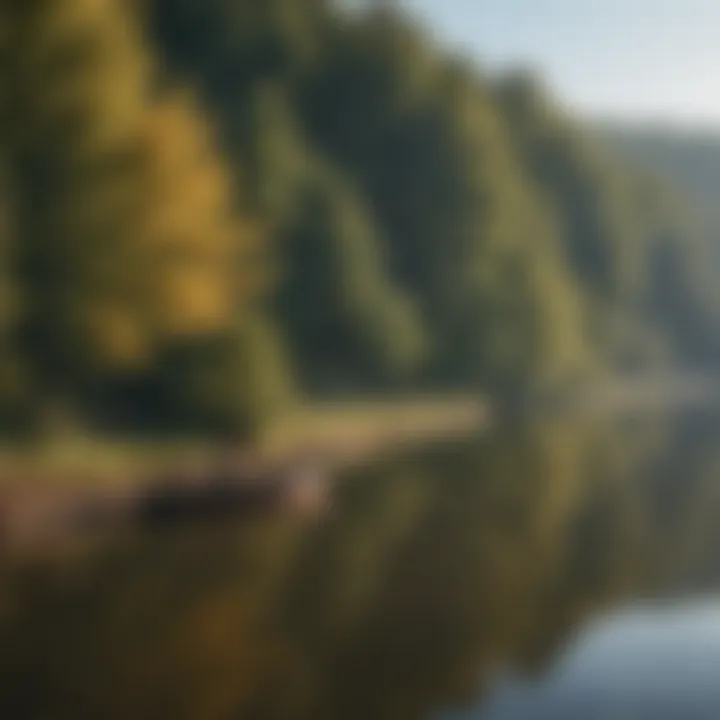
{"points": [[293, 468]]}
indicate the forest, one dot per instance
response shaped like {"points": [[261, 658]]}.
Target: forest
{"points": [[688, 159], [212, 208]]}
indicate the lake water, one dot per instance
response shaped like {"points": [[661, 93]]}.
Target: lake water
{"points": [[556, 572]]}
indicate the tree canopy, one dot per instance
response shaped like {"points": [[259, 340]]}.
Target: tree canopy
{"points": [[177, 174]]}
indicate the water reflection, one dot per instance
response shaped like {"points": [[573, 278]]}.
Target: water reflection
{"points": [[432, 577], [648, 663]]}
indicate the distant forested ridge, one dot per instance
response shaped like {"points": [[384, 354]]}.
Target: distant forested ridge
{"points": [[210, 207], [687, 159]]}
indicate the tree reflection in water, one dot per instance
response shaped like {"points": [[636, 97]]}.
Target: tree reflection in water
{"points": [[430, 575]]}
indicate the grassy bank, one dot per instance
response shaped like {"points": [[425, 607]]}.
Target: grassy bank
{"points": [[48, 489], [331, 430]]}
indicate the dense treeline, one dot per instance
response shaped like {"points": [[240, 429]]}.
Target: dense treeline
{"points": [[208, 205]]}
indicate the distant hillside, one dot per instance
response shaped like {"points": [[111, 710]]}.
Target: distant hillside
{"points": [[689, 160]]}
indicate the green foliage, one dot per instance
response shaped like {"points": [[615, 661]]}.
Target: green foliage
{"points": [[123, 238], [348, 323], [616, 224], [234, 383], [343, 313], [464, 228], [683, 259], [428, 227]]}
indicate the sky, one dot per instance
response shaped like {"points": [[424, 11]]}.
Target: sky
{"points": [[656, 60]]}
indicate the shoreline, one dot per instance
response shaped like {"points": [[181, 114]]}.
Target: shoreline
{"points": [[294, 467], [91, 486]]}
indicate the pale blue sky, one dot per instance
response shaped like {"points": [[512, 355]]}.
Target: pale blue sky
{"points": [[643, 59]]}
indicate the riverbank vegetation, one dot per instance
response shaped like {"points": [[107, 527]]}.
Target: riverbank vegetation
{"points": [[213, 210]]}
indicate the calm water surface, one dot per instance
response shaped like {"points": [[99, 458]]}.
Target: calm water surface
{"points": [[554, 572]]}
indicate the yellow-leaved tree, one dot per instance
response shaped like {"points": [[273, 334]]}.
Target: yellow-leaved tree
{"points": [[126, 236]]}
